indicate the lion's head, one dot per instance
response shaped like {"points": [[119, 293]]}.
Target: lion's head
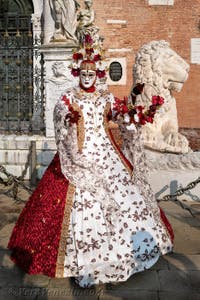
{"points": [[157, 64]]}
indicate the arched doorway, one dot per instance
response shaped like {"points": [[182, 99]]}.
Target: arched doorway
{"points": [[16, 66]]}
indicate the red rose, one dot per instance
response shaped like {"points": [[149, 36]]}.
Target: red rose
{"points": [[142, 118], [152, 108], [89, 51], [88, 39], [75, 72], [97, 57], [157, 100], [142, 121], [121, 106], [150, 113], [139, 107], [149, 119], [117, 101], [124, 109], [77, 56], [101, 74]]}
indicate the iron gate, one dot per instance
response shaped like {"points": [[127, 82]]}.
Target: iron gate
{"points": [[18, 83]]}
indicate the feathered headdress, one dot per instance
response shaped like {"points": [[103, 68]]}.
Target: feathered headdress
{"points": [[92, 51]]}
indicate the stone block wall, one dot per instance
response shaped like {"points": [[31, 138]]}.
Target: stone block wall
{"points": [[128, 24], [15, 154]]}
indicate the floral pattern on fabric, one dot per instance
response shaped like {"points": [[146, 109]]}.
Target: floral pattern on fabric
{"points": [[115, 226]]}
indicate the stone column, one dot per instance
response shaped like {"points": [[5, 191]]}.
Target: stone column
{"points": [[57, 57], [37, 67], [48, 22]]}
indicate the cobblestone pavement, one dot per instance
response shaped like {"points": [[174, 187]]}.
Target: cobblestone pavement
{"points": [[174, 277]]}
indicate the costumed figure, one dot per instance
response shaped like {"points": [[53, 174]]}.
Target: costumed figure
{"points": [[93, 215], [64, 13]]}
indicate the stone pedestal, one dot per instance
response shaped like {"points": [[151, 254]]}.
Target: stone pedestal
{"points": [[169, 172], [57, 58]]}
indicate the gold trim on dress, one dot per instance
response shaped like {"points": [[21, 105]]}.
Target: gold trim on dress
{"points": [[108, 132], [64, 232], [69, 200]]}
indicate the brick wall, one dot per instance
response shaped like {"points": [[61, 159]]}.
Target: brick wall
{"points": [[176, 24]]}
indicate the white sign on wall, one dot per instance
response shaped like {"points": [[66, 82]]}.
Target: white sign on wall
{"points": [[161, 2], [195, 51]]}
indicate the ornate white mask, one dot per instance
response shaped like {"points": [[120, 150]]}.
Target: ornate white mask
{"points": [[87, 78]]}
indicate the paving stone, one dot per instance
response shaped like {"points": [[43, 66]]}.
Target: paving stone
{"points": [[16, 294], [12, 217], [5, 261], [3, 219], [185, 222], [186, 237], [147, 280], [193, 204], [129, 295], [186, 246], [193, 236], [36, 280], [67, 287], [194, 279], [177, 280], [7, 202], [183, 262], [196, 207], [59, 282], [161, 264], [64, 293], [193, 221], [24, 195], [5, 233], [11, 277], [172, 209], [188, 295]]}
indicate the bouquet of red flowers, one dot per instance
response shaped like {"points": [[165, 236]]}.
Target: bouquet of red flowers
{"points": [[136, 114]]}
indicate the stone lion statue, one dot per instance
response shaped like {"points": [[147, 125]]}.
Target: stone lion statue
{"points": [[163, 71]]}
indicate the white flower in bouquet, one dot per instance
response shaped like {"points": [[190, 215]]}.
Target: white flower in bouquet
{"points": [[136, 118]]}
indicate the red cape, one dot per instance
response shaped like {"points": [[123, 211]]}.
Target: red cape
{"points": [[36, 235]]}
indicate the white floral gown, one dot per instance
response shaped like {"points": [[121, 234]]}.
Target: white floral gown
{"points": [[115, 228]]}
